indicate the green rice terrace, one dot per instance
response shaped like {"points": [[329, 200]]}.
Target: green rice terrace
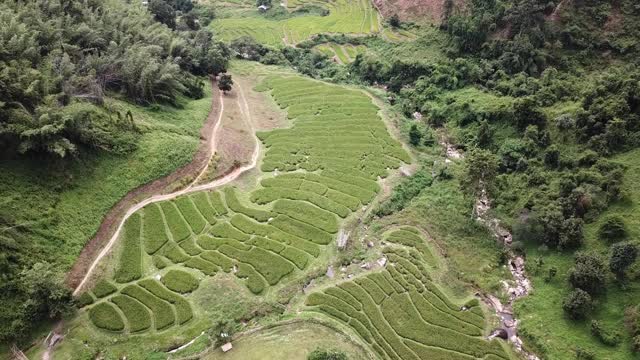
{"points": [[344, 17], [314, 175], [343, 54]]}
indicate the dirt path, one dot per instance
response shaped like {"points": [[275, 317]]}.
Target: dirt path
{"points": [[211, 148]]}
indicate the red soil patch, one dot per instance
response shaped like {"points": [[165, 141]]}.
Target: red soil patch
{"points": [[415, 10]]}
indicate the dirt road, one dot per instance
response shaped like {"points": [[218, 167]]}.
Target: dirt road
{"points": [[212, 146]]}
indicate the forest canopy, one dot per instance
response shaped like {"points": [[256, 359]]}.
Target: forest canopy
{"points": [[59, 59]]}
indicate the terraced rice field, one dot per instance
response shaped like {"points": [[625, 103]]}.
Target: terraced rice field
{"points": [[402, 314], [316, 173], [345, 17], [343, 53]]}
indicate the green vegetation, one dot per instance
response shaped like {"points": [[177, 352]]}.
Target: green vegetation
{"points": [[105, 316], [180, 281], [138, 318], [348, 17], [103, 288], [129, 265]]}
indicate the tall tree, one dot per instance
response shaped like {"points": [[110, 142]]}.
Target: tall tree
{"points": [[225, 83], [480, 170]]}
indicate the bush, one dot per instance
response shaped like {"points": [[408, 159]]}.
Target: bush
{"points": [[613, 229], [103, 288], [323, 354], [585, 354], [588, 274], [105, 316], [180, 281], [577, 304], [130, 262], [635, 344], [607, 337]]}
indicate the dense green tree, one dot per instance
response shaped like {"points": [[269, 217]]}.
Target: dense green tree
{"points": [[484, 135], [588, 273], [415, 135], [163, 12], [394, 21], [225, 83], [623, 255], [577, 304], [480, 170]]}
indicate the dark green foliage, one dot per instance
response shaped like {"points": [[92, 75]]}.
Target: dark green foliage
{"points": [[577, 304], [53, 95], [225, 83], [414, 135], [103, 288], [481, 168], [105, 316], [623, 255], [605, 336], [163, 12], [394, 20], [588, 274], [612, 229], [84, 300], [180, 281], [585, 354], [327, 354], [408, 189], [130, 262]]}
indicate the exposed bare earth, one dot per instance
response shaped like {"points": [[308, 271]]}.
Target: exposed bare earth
{"points": [[430, 11], [112, 218]]}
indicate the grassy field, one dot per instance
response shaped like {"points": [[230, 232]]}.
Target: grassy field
{"points": [[63, 211], [536, 310], [346, 17], [291, 341]]}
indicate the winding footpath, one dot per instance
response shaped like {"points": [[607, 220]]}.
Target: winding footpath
{"points": [[520, 285], [191, 187]]}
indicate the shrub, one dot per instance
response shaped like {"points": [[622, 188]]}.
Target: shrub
{"points": [[607, 337], [130, 262], [585, 354], [623, 255], [635, 344], [176, 224], [162, 311], [103, 288], [588, 273], [180, 281], [324, 354], [612, 229], [153, 229], [105, 316], [136, 314], [577, 304]]}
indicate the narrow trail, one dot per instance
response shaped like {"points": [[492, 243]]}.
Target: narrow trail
{"points": [[189, 189], [516, 264]]}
